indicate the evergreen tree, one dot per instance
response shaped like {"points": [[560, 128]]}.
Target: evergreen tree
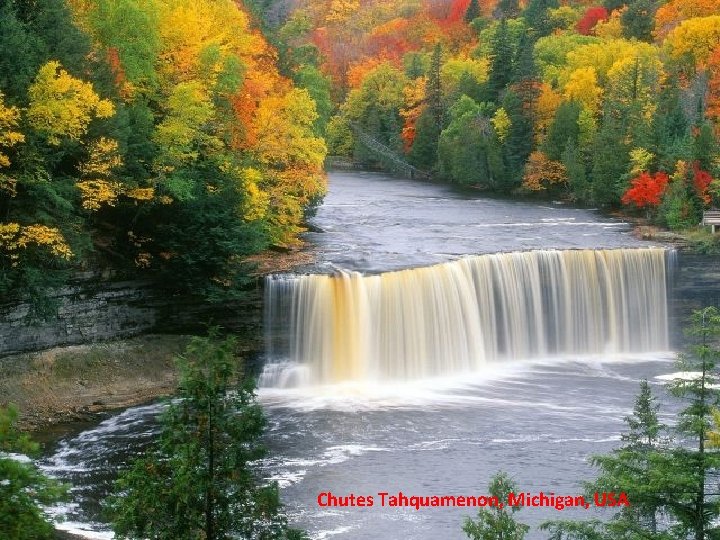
{"points": [[23, 488], [501, 58], [518, 144], [610, 160], [564, 128], [524, 68], [670, 128], [639, 468], [413, 65], [196, 482], [424, 150], [576, 172], [705, 147], [537, 17], [695, 509], [659, 479], [433, 89], [638, 20], [498, 522], [507, 9], [473, 11]]}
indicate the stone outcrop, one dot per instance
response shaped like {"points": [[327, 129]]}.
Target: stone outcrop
{"points": [[93, 309]]}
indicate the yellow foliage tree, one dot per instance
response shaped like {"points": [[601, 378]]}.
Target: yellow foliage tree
{"points": [[454, 68], [9, 137], [602, 56], [293, 156], [610, 28], [189, 27], [695, 38], [502, 123], [669, 15], [62, 106], [547, 104], [340, 11], [636, 79], [183, 132], [582, 86], [14, 238]]}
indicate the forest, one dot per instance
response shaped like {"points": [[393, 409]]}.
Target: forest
{"points": [[175, 138], [149, 137], [612, 104]]}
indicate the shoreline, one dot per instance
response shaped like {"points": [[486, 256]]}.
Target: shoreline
{"points": [[61, 388]]}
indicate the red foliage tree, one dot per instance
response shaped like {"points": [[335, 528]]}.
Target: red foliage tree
{"points": [[457, 10], [701, 181], [592, 16], [646, 190]]}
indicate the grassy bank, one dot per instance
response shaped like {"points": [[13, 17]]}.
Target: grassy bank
{"points": [[697, 239], [74, 384]]}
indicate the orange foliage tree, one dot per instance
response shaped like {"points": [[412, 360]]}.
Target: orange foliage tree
{"points": [[542, 173], [669, 15]]}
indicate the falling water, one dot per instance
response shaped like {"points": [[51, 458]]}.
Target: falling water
{"points": [[455, 317]]}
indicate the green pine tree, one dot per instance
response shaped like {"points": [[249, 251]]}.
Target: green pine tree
{"points": [[501, 57], [610, 159], [425, 146], [197, 482], [518, 144], [564, 128], [576, 171], [433, 89], [473, 11], [537, 17], [497, 523], [23, 488], [508, 9], [660, 479], [694, 507]]}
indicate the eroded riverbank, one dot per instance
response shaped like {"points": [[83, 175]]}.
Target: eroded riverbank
{"points": [[77, 384]]}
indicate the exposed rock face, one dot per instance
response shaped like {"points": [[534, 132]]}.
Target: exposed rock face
{"points": [[91, 309], [696, 284]]}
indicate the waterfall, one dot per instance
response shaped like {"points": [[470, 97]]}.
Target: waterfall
{"points": [[457, 316]]}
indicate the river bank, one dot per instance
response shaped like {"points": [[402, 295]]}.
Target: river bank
{"points": [[77, 384]]}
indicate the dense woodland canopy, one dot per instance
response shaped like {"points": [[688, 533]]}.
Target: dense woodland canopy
{"points": [[151, 136], [174, 138], [614, 103]]}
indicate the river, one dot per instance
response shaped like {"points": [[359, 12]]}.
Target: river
{"points": [[537, 411]]}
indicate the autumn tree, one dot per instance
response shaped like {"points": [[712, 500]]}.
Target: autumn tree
{"points": [[592, 16], [646, 190], [544, 174]]}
